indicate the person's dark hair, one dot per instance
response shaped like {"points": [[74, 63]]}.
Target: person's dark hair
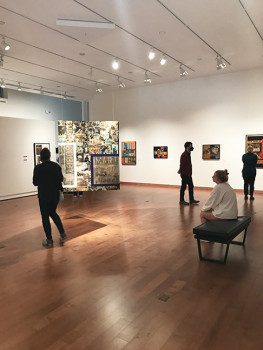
{"points": [[187, 144], [222, 175], [44, 154]]}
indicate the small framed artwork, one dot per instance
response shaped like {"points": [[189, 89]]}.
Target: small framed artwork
{"points": [[256, 141], [128, 153], [211, 152], [160, 152], [37, 149]]}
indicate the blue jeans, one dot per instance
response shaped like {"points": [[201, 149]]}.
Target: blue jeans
{"points": [[48, 209]]}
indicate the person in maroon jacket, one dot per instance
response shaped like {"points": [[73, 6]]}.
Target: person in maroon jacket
{"points": [[186, 174]]}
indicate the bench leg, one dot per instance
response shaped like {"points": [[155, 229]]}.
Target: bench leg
{"points": [[212, 260], [244, 238]]}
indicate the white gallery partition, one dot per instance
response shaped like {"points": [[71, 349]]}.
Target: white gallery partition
{"points": [[17, 137], [220, 109]]}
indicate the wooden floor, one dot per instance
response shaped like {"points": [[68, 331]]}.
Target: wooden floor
{"points": [[127, 250]]}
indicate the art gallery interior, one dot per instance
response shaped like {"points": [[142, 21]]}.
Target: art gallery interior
{"points": [[129, 275]]}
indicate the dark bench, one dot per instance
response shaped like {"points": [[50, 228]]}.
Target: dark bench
{"points": [[221, 232]]}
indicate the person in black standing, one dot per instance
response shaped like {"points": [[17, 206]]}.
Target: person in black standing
{"points": [[186, 174], [48, 177], [249, 171]]}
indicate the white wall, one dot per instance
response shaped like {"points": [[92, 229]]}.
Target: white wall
{"points": [[26, 105], [213, 110], [17, 138]]}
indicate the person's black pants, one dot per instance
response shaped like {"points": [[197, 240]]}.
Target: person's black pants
{"points": [[187, 180], [249, 181], [48, 209]]}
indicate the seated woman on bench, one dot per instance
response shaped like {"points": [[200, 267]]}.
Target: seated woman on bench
{"points": [[222, 202]]}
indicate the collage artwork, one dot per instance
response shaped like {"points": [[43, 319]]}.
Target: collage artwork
{"points": [[88, 155]]}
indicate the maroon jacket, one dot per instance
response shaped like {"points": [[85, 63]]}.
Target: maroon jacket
{"points": [[185, 164]]}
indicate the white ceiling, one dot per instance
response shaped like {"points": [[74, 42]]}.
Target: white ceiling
{"points": [[191, 32]]}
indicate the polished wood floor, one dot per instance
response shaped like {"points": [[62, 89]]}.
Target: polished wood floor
{"points": [[128, 278]]}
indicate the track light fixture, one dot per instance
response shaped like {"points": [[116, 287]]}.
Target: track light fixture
{"points": [[5, 44], [151, 54], [19, 87], [98, 89], [220, 63], [183, 72], [65, 95], [115, 64], [2, 84], [147, 80], [163, 60], [121, 83]]}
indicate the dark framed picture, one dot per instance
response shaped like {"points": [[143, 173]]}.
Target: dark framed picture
{"points": [[160, 152], [128, 153], [211, 152], [256, 141], [37, 149]]}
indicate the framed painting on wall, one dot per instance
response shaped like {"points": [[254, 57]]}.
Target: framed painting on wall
{"points": [[256, 141], [128, 153], [37, 150], [105, 170], [160, 152], [211, 152]]}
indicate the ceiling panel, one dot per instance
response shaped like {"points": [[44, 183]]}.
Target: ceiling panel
{"points": [[188, 32]]}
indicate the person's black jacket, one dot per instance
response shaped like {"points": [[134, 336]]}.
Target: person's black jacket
{"points": [[48, 177], [250, 163]]}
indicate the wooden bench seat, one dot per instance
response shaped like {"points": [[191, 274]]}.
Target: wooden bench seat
{"points": [[221, 232]]}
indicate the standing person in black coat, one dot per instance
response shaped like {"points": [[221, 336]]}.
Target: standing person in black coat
{"points": [[48, 177], [249, 171]]}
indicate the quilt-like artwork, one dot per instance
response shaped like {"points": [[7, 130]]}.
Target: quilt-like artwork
{"points": [[90, 138], [128, 153], [256, 141]]}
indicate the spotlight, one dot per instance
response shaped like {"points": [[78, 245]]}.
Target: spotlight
{"points": [[65, 95], [115, 64], [2, 84], [5, 44], [151, 54], [121, 83], [163, 60], [19, 87], [183, 72], [98, 89], [147, 80], [220, 63]]}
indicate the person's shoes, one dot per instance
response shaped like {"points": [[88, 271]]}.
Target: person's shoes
{"points": [[48, 243], [194, 202], [81, 195], [183, 203], [62, 238], [246, 197], [252, 198], [75, 196]]}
